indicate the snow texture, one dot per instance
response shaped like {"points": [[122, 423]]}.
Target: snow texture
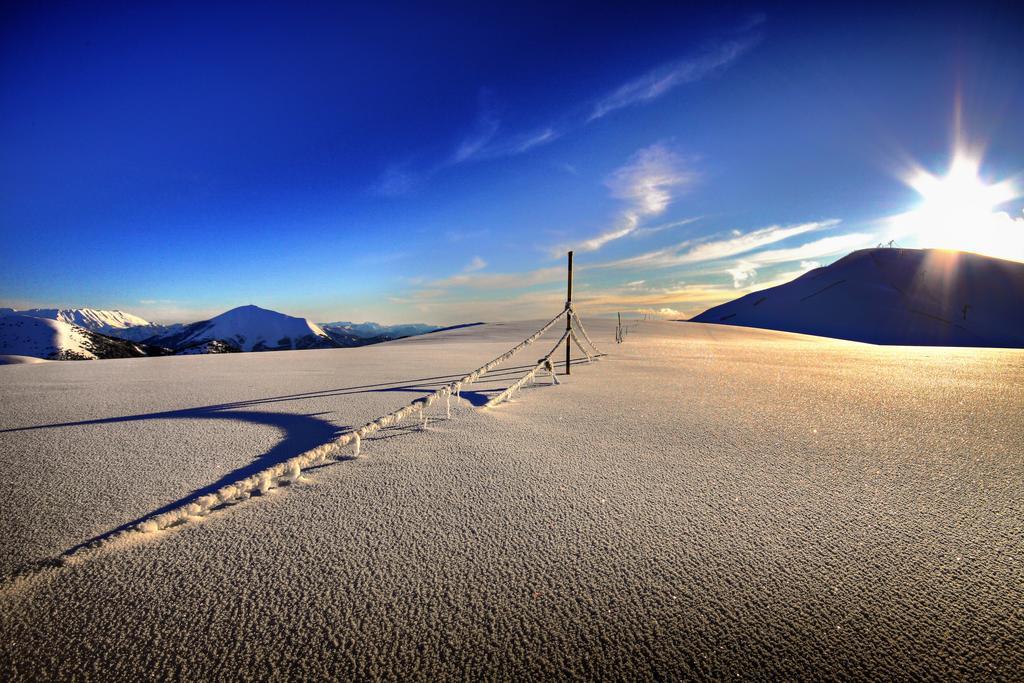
{"points": [[894, 296], [787, 507], [13, 359]]}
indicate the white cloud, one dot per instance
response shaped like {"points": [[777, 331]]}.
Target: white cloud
{"points": [[663, 312], [742, 243], [639, 232], [648, 184], [823, 247], [742, 273], [665, 78], [476, 264], [488, 141], [645, 182]]}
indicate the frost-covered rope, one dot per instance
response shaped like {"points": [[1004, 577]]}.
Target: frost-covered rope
{"points": [[581, 347], [543, 364], [476, 374], [579, 323], [289, 470]]}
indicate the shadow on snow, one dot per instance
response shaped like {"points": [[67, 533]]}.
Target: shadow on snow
{"points": [[302, 432]]}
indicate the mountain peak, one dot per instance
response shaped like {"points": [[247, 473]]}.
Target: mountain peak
{"points": [[252, 328]]}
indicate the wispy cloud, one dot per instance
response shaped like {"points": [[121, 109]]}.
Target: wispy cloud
{"points": [[644, 231], [488, 138], [667, 77], [476, 264], [464, 235], [472, 146], [484, 141], [486, 281], [827, 246], [735, 244], [663, 312], [648, 183], [470, 286], [744, 272], [515, 144], [397, 180]]}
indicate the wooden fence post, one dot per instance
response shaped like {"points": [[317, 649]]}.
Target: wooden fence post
{"points": [[568, 321]]}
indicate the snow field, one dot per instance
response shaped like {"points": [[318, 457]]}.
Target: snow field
{"points": [[790, 508]]}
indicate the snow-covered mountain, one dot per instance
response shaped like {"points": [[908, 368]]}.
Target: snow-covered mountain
{"points": [[89, 318], [249, 328], [920, 297], [24, 335], [246, 328], [111, 323]]}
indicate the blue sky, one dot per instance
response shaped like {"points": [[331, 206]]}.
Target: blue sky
{"points": [[432, 162]]}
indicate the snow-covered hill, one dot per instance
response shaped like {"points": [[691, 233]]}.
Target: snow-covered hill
{"points": [[920, 297], [249, 328], [24, 335], [114, 323]]}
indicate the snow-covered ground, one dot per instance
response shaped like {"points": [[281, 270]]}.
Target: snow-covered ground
{"points": [[14, 359], [705, 501]]}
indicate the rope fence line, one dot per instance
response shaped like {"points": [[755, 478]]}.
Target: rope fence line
{"points": [[290, 470], [544, 363]]}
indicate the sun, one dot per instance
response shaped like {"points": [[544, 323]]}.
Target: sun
{"points": [[961, 196], [959, 211]]}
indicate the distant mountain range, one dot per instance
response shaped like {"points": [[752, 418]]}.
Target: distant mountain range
{"points": [[913, 297], [361, 334], [92, 319], [86, 333]]}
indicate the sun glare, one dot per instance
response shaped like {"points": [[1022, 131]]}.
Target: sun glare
{"points": [[958, 211]]}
